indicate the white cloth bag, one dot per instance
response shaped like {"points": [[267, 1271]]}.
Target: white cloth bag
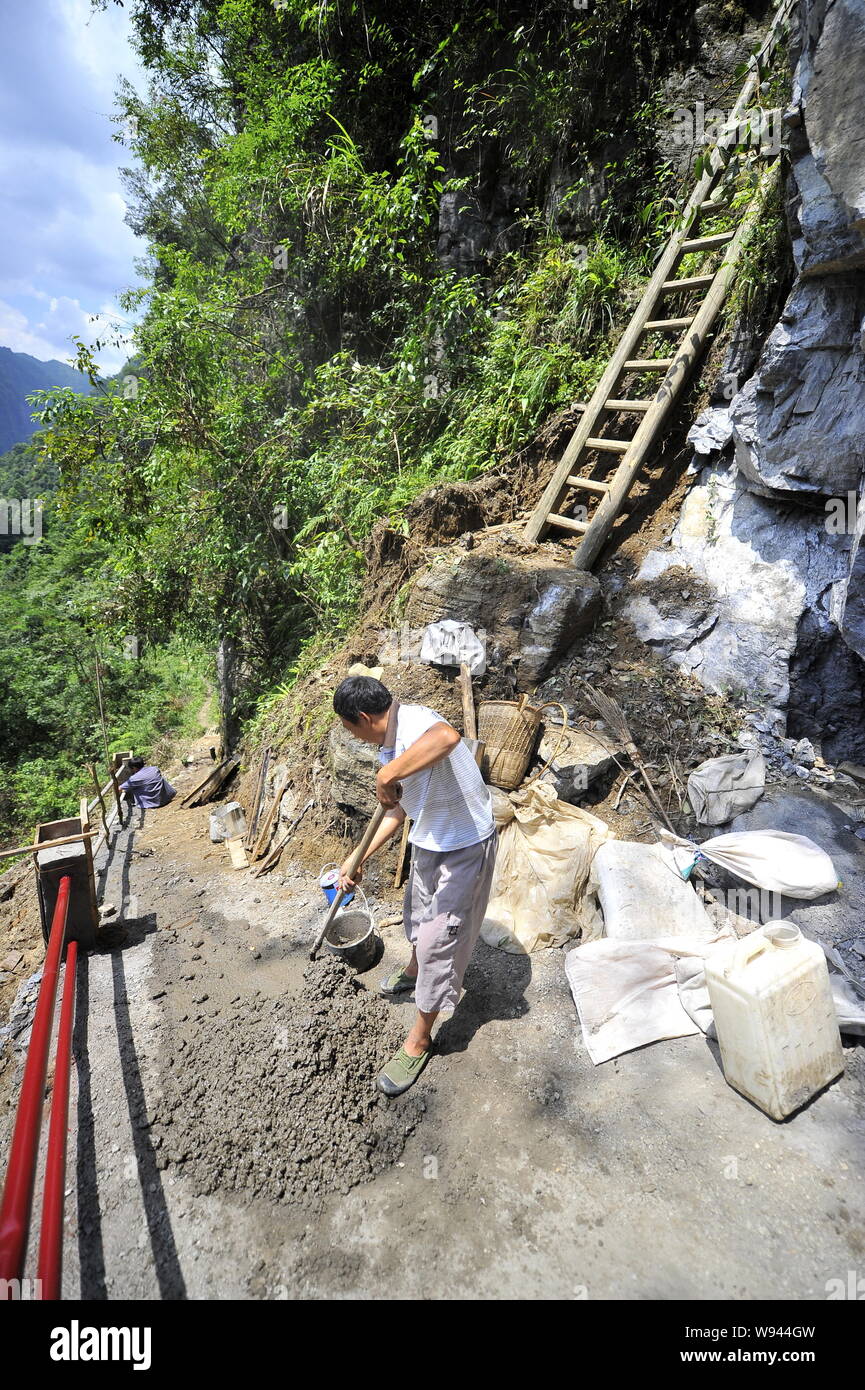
{"points": [[450, 643], [722, 788], [542, 864], [771, 859]]}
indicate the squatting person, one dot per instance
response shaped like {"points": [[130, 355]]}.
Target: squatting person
{"points": [[145, 786], [428, 774]]}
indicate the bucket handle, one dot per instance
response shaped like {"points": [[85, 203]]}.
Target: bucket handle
{"points": [[549, 704], [331, 864], [366, 907]]}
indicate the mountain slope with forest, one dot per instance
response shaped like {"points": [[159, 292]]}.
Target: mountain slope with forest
{"points": [[20, 376]]}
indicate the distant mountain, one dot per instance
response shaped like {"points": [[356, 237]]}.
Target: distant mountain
{"points": [[21, 374]]}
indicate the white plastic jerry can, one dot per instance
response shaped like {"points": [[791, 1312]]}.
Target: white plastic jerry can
{"points": [[774, 1017]]}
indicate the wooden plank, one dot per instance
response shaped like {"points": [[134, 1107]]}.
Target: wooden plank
{"points": [[200, 787], [608, 446], [272, 857], [226, 770], [267, 823], [237, 853], [590, 484], [663, 325], [255, 810], [608, 508], [568, 523], [650, 364], [690, 282], [470, 725], [48, 844], [707, 243], [212, 783], [627, 405]]}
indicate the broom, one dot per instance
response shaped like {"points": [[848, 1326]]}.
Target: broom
{"points": [[614, 718]]}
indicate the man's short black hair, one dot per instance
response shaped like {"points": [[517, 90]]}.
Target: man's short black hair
{"points": [[135, 764], [358, 695]]}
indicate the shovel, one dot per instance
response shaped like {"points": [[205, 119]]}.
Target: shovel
{"points": [[361, 850]]}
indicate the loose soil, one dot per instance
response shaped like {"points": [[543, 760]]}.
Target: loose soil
{"points": [[310, 1059]]}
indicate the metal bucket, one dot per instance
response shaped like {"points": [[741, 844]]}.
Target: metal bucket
{"points": [[352, 937]]}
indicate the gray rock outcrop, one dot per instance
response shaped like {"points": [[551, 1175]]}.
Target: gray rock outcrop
{"points": [[530, 610], [353, 766], [767, 554]]}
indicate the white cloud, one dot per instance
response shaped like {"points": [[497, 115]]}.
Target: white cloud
{"points": [[67, 251], [48, 336]]}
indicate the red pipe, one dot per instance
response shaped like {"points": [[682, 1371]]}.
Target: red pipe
{"points": [[21, 1170], [50, 1267]]}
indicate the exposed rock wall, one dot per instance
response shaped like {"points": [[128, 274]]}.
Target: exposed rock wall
{"points": [[771, 531]]}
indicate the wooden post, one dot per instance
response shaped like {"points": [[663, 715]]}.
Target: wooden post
{"points": [[91, 768], [117, 797], [470, 728]]}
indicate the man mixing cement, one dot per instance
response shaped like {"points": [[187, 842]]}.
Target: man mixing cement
{"points": [[428, 774]]}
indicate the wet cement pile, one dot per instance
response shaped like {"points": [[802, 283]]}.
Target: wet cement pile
{"points": [[276, 1098]]}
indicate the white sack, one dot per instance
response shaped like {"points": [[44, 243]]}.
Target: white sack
{"points": [[722, 788], [626, 993], [642, 896], [545, 851], [770, 859], [449, 643]]}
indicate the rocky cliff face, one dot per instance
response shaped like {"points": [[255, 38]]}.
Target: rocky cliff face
{"points": [[772, 530]]}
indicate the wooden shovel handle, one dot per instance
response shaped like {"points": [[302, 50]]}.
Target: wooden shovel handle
{"points": [[361, 850]]}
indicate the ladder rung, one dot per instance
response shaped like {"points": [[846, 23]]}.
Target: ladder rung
{"points": [[690, 282], [588, 484], [649, 364], [627, 405], [666, 323], [710, 206], [705, 243], [609, 446], [567, 522]]}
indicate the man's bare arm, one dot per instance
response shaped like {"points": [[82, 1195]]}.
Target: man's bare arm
{"points": [[390, 824], [427, 750]]}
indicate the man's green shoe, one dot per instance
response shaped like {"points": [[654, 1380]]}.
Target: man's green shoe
{"points": [[401, 1072], [397, 983]]}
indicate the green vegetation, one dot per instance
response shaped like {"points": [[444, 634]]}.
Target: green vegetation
{"points": [[385, 244], [309, 357], [52, 601]]}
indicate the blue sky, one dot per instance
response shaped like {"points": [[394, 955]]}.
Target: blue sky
{"points": [[65, 251]]}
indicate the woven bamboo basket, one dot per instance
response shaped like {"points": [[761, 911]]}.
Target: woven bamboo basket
{"points": [[509, 730]]}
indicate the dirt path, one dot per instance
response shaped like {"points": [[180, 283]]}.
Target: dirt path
{"points": [[527, 1172]]}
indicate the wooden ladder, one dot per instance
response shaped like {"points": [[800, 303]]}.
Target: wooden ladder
{"points": [[697, 300]]}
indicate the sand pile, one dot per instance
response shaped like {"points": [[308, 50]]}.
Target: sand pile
{"points": [[277, 1098]]}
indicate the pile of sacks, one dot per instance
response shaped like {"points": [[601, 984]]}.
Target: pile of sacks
{"points": [[638, 975]]}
